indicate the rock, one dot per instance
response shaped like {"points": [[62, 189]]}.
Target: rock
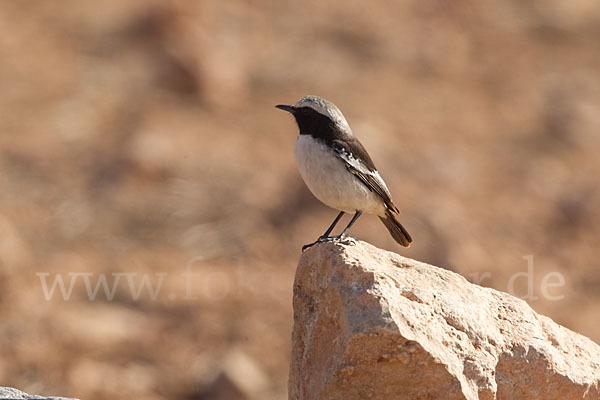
{"points": [[7, 393], [370, 324]]}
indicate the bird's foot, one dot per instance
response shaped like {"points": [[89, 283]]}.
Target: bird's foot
{"points": [[348, 240], [337, 238], [321, 239]]}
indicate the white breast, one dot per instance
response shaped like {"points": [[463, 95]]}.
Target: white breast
{"points": [[328, 179]]}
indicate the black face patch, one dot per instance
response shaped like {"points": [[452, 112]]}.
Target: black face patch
{"points": [[315, 124], [323, 128]]}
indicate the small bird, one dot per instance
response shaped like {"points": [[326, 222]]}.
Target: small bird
{"points": [[338, 170]]}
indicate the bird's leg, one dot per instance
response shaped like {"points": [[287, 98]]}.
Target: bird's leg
{"points": [[325, 237], [352, 221], [333, 224]]}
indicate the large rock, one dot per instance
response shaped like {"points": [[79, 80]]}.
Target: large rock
{"points": [[7, 393], [370, 324]]}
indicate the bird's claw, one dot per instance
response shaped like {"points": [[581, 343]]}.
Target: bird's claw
{"points": [[348, 240], [321, 239], [338, 238]]}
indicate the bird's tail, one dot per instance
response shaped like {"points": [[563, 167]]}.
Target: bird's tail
{"points": [[396, 229]]}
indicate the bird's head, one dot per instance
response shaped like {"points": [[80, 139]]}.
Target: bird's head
{"points": [[310, 111]]}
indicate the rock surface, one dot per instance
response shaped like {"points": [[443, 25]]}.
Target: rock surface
{"points": [[7, 393], [372, 324]]}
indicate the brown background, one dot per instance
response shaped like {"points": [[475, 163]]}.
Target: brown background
{"points": [[140, 137]]}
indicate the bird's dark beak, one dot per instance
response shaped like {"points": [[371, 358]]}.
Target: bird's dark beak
{"points": [[283, 107]]}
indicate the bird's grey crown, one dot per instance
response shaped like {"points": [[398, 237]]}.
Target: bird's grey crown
{"points": [[326, 108]]}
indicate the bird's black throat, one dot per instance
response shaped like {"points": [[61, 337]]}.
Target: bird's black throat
{"points": [[322, 128], [316, 125]]}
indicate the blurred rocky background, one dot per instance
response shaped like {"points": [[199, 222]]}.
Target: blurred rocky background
{"points": [[139, 143]]}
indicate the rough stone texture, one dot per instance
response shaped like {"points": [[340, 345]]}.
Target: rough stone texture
{"points": [[7, 393], [372, 324]]}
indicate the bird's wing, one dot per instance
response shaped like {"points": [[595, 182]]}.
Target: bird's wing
{"points": [[358, 162]]}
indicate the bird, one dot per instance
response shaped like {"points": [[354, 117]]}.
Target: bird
{"points": [[337, 169]]}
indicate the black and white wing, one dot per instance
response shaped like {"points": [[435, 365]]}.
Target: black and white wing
{"points": [[359, 163]]}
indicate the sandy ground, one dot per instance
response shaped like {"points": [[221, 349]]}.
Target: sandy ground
{"points": [[139, 143]]}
